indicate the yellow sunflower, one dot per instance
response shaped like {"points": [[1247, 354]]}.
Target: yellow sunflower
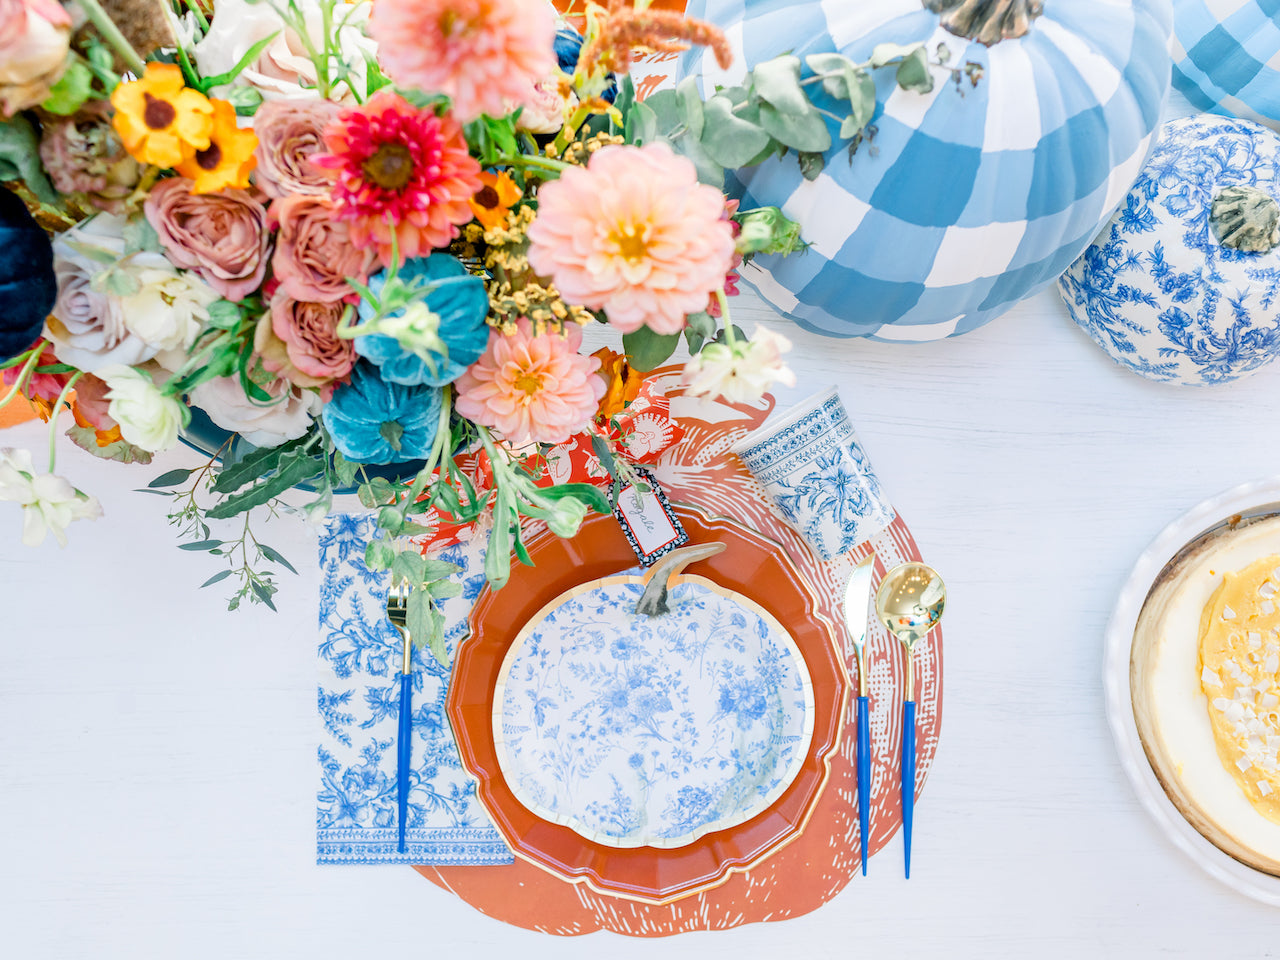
{"points": [[159, 119], [229, 158]]}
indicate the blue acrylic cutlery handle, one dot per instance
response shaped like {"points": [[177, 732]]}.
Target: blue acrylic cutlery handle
{"points": [[403, 742], [908, 778], [863, 714]]}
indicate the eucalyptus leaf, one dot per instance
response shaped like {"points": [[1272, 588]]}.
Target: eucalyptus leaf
{"points": [[690, 102], [171, 478], [379, 555], [437, 569], [294, 467], [346, 469], [882, 54], [647, 350], [275, 557], [444, 589], [730, 140], [407, 566], [216, 578], [811, 165], [426, 625], [201, 545], [642, 124], [802, 132], [252, 465], [139, 235], [777, 82], [913, 72]]}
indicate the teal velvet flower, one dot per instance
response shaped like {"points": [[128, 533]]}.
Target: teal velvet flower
{"points": [[373, 421], [461, 305]]}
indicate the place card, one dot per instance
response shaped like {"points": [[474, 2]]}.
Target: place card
{"points": [[647, 519]]}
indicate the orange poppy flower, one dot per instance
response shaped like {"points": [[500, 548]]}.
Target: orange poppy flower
{"points": [[160, 120], [229, 158], [493, 201]]}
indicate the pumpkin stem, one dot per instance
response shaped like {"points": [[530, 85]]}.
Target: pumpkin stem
{"points": [[1245, 219], [987, 21]]}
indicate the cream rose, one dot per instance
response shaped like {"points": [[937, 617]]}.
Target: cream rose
{"points": [[148, 307], [225, 402], [148, 419]]}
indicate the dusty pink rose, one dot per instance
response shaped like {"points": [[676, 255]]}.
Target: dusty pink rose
{"points": [[314, 253], [221, 236], [532, 388], [309, 333], [35, 36], [83, 154], [633, 233], [289, 132]]}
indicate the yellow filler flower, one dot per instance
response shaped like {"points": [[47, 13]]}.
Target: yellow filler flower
{"points": [[229, 158], [160, 120]]}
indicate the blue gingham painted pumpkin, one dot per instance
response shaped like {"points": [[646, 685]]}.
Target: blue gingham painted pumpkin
{"points": [[969, 198], [1183, 285], [1226, 57]]}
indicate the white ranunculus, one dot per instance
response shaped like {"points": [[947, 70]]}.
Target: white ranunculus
{"points": [[740, 371], [147, 418], [49, 503], [145, 304], [283, 70], [170, 308], [227, 405]]}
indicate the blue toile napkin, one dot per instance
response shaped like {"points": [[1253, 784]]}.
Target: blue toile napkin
{"points": [[360, 658]]}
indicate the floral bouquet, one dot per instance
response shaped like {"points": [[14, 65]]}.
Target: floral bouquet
{"points": [[364, 241]]}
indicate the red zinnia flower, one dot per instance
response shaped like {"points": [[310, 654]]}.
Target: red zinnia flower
{"points": [[399, 169]]}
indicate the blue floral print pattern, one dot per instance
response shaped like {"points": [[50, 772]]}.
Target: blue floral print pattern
{"points": [[1156, 290], [359, 704], [652, 731]]}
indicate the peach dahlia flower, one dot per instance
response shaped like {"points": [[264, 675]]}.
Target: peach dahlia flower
{"points": [[633, 233]]}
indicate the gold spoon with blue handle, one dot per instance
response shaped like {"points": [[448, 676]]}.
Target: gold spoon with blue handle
{"points": [[910, 603]]}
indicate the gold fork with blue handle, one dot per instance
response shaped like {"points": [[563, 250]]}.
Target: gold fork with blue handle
{"points": [[398, 614]]}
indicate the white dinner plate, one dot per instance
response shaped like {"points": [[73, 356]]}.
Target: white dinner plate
{"points": [[1257, 497]]}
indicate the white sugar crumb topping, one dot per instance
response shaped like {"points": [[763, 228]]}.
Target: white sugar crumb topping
{"points": [[1255, 640], [1209, 678], [1267, 606], [1264, 788], [1268, 701], [1268, 589], [1243, 764], [1221, 703], [1272, 663], [1228, 613]]}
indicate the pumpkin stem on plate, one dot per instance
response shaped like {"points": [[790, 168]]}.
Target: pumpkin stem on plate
{"points": [[1245, 218], [987, 21]]}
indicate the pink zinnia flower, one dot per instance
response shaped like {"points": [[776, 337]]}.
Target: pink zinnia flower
{"points": [[479, 52], [532, 388], [633, 233], [399, 168]]}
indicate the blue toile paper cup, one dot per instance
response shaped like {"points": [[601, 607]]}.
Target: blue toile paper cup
{"points": [[812, 467]]}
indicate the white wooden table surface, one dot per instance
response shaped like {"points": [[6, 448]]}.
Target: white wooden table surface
{"points": [[157, 753]]}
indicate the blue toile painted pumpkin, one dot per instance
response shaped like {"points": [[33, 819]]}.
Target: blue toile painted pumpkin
{"points": [[1226, 57], [1183, 285], [27, 284], [968, 198]]}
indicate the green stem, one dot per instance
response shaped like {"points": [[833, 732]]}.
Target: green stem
{"points": [[111, 33], [729, 336], [53, 418], [194, 7], [570, 129], [23, 375], [526, 160]]}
